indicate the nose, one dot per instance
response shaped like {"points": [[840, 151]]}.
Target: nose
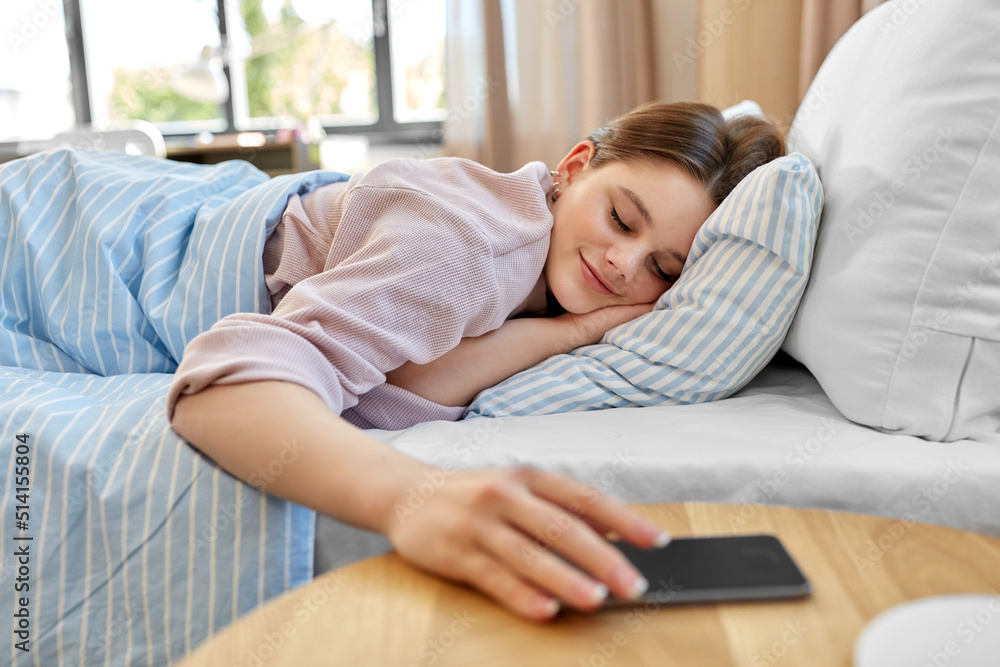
{"points": [[625, 260]]}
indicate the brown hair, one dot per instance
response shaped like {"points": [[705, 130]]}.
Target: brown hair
{"points": [[716, 151]]}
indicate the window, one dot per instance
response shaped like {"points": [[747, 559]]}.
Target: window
{"points": [[374, 68], [36, 99], [133, 50]]}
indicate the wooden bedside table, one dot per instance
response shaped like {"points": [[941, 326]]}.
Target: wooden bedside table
{"points": [[273, 157], [382, 611]]}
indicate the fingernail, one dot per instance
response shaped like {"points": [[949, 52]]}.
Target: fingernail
{"points": [[638, 588], [598, 594], [549, 608], [662, 537]]}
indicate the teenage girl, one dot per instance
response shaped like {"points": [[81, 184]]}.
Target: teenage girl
{"points": [[402, 292]]}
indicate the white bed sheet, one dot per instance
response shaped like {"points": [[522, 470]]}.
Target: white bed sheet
{"points": [[779, 441]]}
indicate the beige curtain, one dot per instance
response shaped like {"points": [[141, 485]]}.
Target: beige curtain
{"points": [[528, 79], [823, 23]]}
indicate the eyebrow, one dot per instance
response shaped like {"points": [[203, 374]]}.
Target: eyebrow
{"points": [[644, 212]]}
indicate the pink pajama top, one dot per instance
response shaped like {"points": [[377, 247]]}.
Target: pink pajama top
{"points": [[396, 264]]}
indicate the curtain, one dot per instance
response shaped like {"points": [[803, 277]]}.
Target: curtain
{"points": [[528, 79], [823, 23]]}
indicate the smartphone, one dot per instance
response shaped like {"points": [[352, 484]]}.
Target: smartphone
{"points": [[712, 569]]}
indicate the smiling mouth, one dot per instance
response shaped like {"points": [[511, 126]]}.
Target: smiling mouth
{"points": [[593, 279]]}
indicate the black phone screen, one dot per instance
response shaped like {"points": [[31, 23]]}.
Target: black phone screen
{"points": [[698, 569]]}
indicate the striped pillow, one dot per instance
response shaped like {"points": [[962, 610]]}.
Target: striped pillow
{"points": [[713, 331]]}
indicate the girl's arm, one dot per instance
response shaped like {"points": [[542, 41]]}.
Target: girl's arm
{"points": [[456, 377], [475, 526]]}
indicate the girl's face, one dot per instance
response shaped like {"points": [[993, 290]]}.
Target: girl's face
{"points": [[620, 233]]}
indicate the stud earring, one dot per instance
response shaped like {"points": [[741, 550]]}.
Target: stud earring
{"points": [[556, 187]]}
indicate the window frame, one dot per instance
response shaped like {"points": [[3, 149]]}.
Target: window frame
{"points": [[385, 130]]}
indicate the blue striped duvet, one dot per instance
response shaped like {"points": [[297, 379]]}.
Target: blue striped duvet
{"points": [[138, 547]]}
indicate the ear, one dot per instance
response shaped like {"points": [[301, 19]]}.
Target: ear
{"points": [[576, 161]]}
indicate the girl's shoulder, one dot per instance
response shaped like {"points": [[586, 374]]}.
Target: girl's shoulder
{"points": [[457, 198], [443, 173]]}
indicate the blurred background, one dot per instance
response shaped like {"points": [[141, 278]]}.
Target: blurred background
{"points": [[292, 85]]}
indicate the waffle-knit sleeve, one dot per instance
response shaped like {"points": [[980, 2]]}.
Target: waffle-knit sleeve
{"points": [[411, 275], [393, 408]]}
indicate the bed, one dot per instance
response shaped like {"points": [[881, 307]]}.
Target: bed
{"points": [[778, 441], [149, 548], [131, 545], [141, 548]]}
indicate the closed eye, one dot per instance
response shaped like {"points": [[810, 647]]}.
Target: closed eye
{"points": [[625, 228]]}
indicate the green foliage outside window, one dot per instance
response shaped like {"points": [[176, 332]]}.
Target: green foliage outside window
{"points": [[302, 69], [147, 95], [297, 69]]}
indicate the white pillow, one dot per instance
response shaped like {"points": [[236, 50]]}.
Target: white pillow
{"points": [[900, 322], [744, 108]]}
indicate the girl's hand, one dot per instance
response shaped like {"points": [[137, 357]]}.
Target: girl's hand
{"points": [[493, 529], [589, 328]]}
